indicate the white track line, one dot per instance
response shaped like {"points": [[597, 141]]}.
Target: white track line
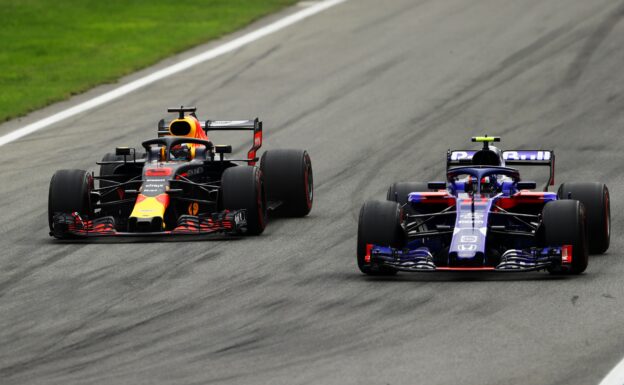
{"points": [[615, 376], [173, 69]]}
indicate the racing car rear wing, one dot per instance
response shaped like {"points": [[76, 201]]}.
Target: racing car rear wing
{"points": [[511, 158], [254, 125]]}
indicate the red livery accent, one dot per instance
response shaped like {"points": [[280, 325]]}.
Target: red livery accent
{"points": [[199, 132], [87, 227], [522, 197], [256, 146], [477, 201], [165, 171], [566, 254], [440, 197], [438, 194], [369, 249], [163, 199], [203, 226]]}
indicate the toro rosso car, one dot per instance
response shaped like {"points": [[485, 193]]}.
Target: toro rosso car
{"points": [[485, 217], [181, 184]]}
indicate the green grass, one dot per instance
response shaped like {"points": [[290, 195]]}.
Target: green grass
{"points": [[52, 49]]}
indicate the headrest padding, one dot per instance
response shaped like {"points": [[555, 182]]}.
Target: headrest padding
{"points": [[486, 158]]}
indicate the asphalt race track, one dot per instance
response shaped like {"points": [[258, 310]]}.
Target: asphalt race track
{"points": [[376, 91]]}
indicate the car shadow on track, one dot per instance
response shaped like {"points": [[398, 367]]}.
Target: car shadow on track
{"points": [[274, 221], [456, 277], [471, 277], [145, 239]]}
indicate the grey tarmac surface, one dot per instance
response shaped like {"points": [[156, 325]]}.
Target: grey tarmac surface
{"points": [[376, 91]]}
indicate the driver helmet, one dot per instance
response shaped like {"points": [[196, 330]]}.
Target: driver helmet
{"points": [[489, 184], [181, 152]]}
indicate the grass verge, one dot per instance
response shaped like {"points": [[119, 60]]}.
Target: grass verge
{"points": [[53, 49]]}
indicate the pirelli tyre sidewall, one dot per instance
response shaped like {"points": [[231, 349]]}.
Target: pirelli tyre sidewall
{"points": [[70, 191], [289, 181], [379, 224], [564, 223], [595, 198], [242, 187]]}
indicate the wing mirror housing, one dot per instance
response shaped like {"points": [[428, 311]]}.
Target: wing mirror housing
{"points": [[220, 149], [122, 151], [436, 185], [527, 185]]}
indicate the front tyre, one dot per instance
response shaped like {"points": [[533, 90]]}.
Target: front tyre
{"points": [[564, 223], [595, 198], [70, 191], [289, 180], [379, 224], [242, 187]]}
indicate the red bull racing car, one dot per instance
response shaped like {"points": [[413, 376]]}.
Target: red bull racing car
{"points": [[181, 184], [484, 217]]}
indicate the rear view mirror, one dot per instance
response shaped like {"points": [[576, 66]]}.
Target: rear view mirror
{"points": [[436, 185], [219, 149], [122, 151], [527, 185]]}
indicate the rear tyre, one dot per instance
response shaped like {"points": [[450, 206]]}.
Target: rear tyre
{"points": [[595, 198], [117, 173], [109, 169], [242, 187], [70, 191], [288, 177], [564, 223], [114, 169], [379, 224], [398, 192]]}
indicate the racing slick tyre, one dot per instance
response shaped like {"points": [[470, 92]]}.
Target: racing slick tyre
{"points": [[107, 196], [379, 224], [398, 192], [112, 169], [109, 169], [70, 191], [595, 198], [242, 187], [564, 223], [288, 178]]}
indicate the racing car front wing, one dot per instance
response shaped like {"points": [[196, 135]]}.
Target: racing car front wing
{"points": [[513, 260], [228, 222]]}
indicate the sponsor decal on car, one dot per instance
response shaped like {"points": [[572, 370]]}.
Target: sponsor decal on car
{"points": [[193, 208]]}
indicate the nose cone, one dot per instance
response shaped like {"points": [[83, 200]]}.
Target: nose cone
{"points": [[148, 213], [145, 225]]}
